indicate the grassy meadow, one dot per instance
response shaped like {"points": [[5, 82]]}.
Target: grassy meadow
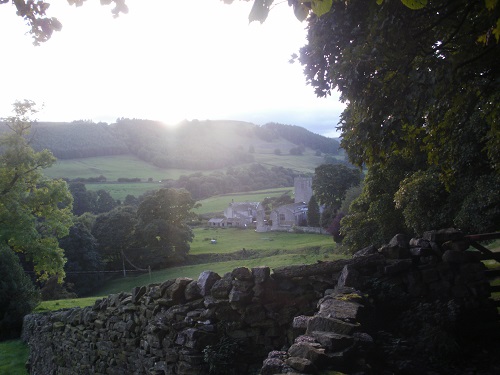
{"points": [[304, 163], [129, 166], [13, 356], [234, 239], [112, 167], [219, 203]]}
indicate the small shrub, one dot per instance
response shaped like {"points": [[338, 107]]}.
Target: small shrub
{"points": [[433, 326], [52, 290], [222, 357]]}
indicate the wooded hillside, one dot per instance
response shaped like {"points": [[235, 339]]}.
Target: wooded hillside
{"points": [[190, 145]]}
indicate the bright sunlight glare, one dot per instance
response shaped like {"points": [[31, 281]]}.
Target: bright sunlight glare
{"points": [[165, 60]]}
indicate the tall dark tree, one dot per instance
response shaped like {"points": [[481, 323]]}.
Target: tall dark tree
{"points": [[115, 233], [131, 200], [313, 214], [18, 295], [374, 217], [335, 228], [83, 259], [162, 226], [104, 202], [83, 199]]}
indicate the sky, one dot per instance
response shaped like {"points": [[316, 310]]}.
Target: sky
{"points": [[166, 60]]}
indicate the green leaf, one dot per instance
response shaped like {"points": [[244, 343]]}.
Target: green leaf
{"points": [[301, 11], [490, 4], [496, 31], [320, 7], [415, 4], [260, 10], [379, 2]]}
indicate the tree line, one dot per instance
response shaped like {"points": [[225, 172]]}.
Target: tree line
{"points": [[184, 146]]}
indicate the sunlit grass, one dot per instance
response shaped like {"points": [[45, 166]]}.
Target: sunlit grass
{"points": [[112, 167], [65, 303], [234, 239]]}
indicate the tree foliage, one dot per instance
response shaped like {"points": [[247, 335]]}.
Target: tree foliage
{"points": [[78, 139], [83, 199], [34, 12], [411, 78], [313, 214], [331, 182], [95, 202], [34, 211], [373, 216], [81, 250], [422, 198], [115, 234], [307, 9], [18, 295], [162, 224], [422, 94]]}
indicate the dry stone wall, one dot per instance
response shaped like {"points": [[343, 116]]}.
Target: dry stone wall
{"points": [[297, 319]]}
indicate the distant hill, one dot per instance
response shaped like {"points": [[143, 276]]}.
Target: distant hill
{"points": [[200, 145], [303, 137]]}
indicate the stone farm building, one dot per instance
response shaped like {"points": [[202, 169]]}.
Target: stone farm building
{"points": [[283, 218], [290, 215], [237, 214]]}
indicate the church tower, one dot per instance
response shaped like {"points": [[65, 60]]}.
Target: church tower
{"points": [[303, 189]]}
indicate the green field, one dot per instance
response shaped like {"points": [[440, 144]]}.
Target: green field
{"points": [[276, 249], [121, 190], [305, 163], [218, 203], [234, 239], [64, 303], [129, 166], [112, 167]]}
